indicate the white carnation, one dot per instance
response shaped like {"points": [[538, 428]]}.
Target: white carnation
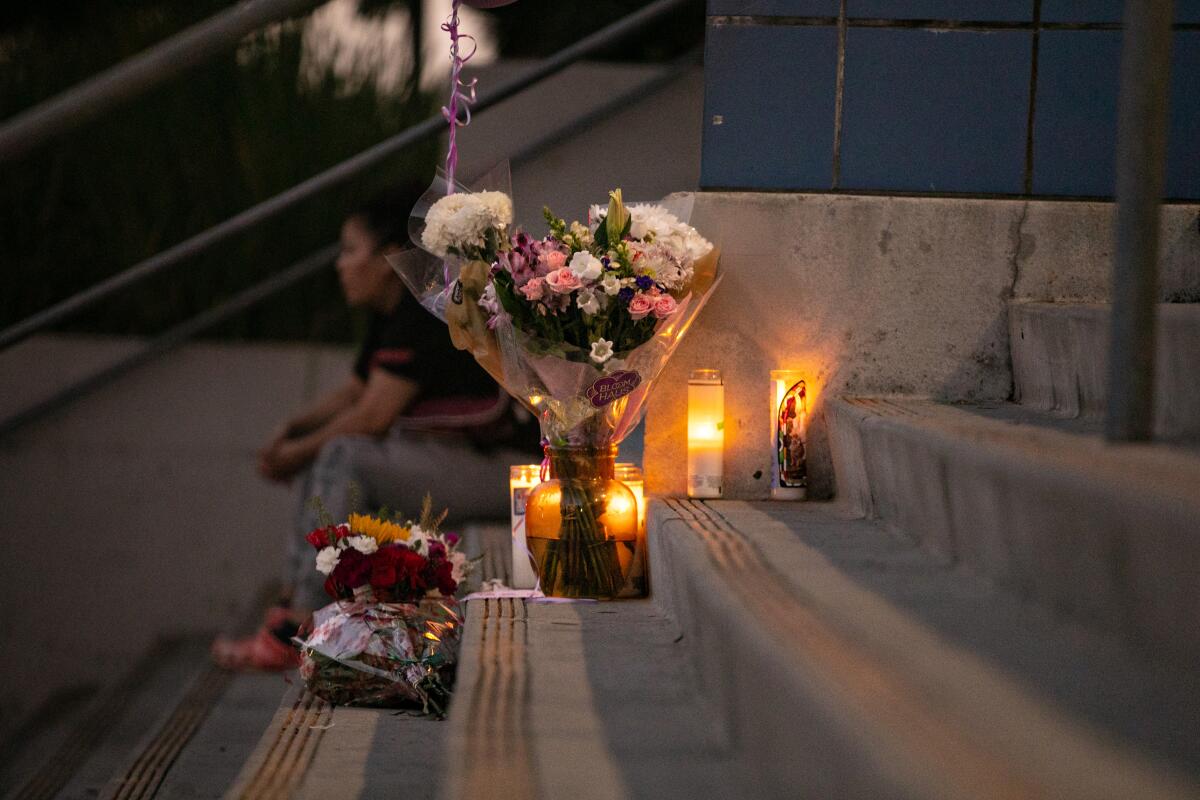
{"points": [[418, 539], [460, 221], [327, 560], [363, 544]]}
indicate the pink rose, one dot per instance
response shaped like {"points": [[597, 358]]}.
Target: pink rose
{"points": [[553, 259], [562, 281], [664, 306], [641, 305], [533, 289]]}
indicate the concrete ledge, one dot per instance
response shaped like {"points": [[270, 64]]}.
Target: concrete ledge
{"points": [[834, 679], [1107, 534], [1060, 362]]}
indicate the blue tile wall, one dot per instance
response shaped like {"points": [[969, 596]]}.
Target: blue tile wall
{"points": [[976, 10], [1107, 10], [1075, 124], [1183, 133], [774, 8], [943, 112], [774, 89]]}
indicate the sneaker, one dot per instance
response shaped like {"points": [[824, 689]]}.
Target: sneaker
{"points": [[268, 650]]}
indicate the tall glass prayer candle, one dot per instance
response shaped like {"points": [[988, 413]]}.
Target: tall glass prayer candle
{"points": [[631, 476], [789, 435], [521, 478], [706, 433]]}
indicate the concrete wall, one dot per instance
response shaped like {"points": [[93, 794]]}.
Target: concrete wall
{"points": [[877, 295], [137, 511]]}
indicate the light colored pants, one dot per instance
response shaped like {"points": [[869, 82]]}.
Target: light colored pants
{"points": [[395, 472]]}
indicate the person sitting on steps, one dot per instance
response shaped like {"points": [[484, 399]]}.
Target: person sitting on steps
{"points": [[416, 416]]}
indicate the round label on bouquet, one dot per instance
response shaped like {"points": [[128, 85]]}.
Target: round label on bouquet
{"points": [[612, 387]]}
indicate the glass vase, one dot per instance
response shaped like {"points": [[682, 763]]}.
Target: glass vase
{"points": [[582, 525]]}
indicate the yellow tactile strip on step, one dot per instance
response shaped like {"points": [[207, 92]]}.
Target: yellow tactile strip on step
{"points": [[146, 773], [277, 767], [524, 722], [920, 736]]}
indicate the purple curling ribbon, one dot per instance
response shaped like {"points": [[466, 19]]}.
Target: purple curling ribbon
{"points": [[462, 95]]}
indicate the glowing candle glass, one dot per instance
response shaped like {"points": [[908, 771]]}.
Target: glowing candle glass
{"points": [[706, 433], [789, 434], [631, 476], [521, 479]]}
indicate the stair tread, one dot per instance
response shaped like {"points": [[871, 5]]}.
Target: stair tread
{"points": [[904, 646], [584, 700], [1075, 443]]}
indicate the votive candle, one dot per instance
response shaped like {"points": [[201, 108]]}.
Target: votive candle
{"points": [[521, 479]]}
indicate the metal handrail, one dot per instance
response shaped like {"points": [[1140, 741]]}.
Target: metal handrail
{"points": [[270, 286], [1141, 162], [174, 337], [140, 73], [599, 41]]}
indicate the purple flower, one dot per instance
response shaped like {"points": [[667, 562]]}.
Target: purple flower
{"points": [[625, 295], [644, 282]]}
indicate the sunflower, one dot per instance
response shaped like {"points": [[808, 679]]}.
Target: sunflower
{"points": [[380, 530]]}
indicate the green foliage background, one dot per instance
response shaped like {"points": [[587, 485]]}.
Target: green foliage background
{"points": [[209, 144]]}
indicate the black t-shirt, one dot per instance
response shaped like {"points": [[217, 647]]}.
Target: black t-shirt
{"points": [[454, 393]]}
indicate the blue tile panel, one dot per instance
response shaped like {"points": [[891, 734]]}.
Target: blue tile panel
{"points": [[1075, 128], [930, 111], [1183, 133], [1075, 124], [973, 10], [1107, 10], [774, 8], [773, 89]]}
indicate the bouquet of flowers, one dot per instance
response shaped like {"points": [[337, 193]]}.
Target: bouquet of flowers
{"points": [[391, 635], [577, 325]]}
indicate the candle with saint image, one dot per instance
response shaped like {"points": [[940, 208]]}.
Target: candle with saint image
{"points": [[706, 433], [521, 478], [789, 433]]}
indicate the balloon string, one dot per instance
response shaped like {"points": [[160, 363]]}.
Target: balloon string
{"points": [[462, 95]]}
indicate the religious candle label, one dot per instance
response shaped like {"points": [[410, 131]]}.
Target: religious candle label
{"points": [[612, 387]]}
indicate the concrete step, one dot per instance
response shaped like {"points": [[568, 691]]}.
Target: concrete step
{"points": [[1107, 534], [144, 735], [1060, 358], [847, 662], [588, 700]]}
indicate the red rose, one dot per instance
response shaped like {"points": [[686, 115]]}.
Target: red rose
{"points": [[444, 575], [352, 570]]}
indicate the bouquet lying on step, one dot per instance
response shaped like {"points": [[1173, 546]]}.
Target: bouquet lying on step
{"points": [[577, 325], [391, 635]]}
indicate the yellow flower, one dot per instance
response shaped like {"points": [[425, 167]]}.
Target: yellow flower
{"points": [[380, 530]]}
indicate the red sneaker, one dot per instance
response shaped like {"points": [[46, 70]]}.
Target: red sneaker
{"points": [[262, 652]]}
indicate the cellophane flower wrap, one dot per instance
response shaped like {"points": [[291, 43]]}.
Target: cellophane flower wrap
{"points": [[391, 636], [577, 325]]}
